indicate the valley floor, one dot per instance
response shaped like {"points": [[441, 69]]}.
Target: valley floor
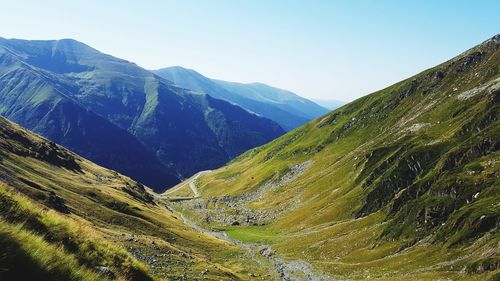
{"points": [[278, 268]]}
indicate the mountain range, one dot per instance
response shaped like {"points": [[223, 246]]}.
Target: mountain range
{"points": [[120, 115], [401, 184], [284, 107]]}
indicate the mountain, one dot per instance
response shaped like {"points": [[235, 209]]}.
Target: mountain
{"points": [[63, 217], [328, 103], [400, 184], [284, 107], [87, 101]]}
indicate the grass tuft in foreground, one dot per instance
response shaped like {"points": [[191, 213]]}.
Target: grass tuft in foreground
{"points": [[40, 244]]}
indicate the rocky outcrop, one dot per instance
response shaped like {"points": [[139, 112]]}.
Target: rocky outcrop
{"points": [[232, 210]]}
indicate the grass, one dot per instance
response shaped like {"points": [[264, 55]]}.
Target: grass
{"points": [[390, 190], [30, 257], [57, 247], [254, 234], [99, 216]]}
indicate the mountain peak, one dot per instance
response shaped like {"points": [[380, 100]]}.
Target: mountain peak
{"points": [[86, 100], [178, 70]]}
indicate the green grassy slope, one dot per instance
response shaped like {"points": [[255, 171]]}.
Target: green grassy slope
{"points": [[402, 182], [65, 218]]}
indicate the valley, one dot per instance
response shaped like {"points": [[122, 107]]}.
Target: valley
{"points": [[400, 184], [283, 270], [110, 171], [91, 215]]}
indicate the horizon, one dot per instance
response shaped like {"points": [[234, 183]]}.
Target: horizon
{"points": [[319, 51]]}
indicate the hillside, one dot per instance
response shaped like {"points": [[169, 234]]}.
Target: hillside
{"points": [[402, 183], [86, 100], [64, 218], [284, 107]]}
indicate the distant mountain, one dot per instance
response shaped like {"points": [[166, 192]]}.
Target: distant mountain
{"points": [[120, 115], [284, 107], [330, 104]]}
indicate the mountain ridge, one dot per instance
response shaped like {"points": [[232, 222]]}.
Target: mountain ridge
{"points": [[137, 103], [48, 99], [401, 183], [284, 107]]}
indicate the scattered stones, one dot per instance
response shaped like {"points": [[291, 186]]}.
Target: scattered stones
{"points": [[266, 252], [233, 210], [104, 270], [416, 127], [490, 87]]}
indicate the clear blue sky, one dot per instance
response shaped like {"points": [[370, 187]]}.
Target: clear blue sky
{"points": [[319, 49]]}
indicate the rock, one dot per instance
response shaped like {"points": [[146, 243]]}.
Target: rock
{"points": [[266, 252], [104, 270]]}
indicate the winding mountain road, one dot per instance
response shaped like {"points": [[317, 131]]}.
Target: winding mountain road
{"points": [[192, 184]]}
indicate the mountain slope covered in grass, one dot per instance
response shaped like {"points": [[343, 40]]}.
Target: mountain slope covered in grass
{"points": [[402, 183], [87, 101], [63, 217], [284, 107]]}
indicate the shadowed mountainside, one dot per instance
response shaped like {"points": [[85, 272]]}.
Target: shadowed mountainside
{"points": [[119, 115], [284, 107]]}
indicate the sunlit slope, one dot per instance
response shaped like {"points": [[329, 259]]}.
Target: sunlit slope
{"points": [[65, 218], [404, 181]]}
